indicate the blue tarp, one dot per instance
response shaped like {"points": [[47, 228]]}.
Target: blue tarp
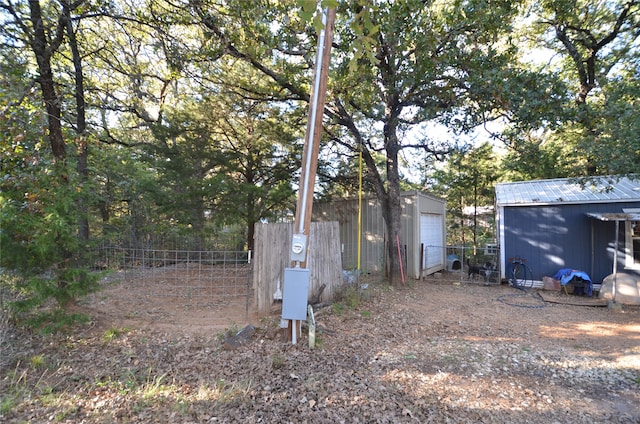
{"points": [[565, 275]]}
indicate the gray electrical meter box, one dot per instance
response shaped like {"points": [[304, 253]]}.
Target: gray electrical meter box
{"points": [[299, 248], [295, 294]]}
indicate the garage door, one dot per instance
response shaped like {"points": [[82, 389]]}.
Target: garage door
{"points": [[431, 231]]}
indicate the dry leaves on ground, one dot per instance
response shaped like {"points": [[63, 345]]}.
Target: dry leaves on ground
{"points": [[427, 352]]}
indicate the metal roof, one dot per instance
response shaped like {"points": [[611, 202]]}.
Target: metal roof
{"points": [[568, 191], [632, 216]]}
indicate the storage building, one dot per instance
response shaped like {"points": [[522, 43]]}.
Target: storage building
{"points": [[564, 224], [422, 238]]}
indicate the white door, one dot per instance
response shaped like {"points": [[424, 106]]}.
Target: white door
{"points": [[431, 234]]}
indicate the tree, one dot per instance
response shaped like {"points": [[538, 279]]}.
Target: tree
{"points": [[467, 181], [537, 157], [262, 154], [80, 128], [433, 64], [597, 44], [161, 93], [41, 235], [225, 160], [425, 56]]}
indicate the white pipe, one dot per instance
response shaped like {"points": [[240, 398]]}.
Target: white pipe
{"points": [[312, 123], [615, 264], [294, 324]]}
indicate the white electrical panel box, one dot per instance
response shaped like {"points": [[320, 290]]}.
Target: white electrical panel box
{"points": [[299, 248], [295, 293]]}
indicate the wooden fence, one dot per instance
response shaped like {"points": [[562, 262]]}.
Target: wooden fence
{"points": [[271, 256]]}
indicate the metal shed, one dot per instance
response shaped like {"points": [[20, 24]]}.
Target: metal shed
{"points": [[557, 224], [422, 237]]}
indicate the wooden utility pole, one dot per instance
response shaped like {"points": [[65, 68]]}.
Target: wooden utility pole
{"points": [[295, 280], [314, 128]]}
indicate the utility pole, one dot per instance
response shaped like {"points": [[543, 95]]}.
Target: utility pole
{"points": [[296, 279]]}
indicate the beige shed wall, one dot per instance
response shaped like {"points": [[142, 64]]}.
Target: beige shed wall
{"points": [[414, 204]]}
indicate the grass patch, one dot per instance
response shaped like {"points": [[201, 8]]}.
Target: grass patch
{"points": [[67, 413], [153, 386], [338, 308], [7, 403], [278, 360], [227, 393], [347, 297], [38, 362], [114, 333], [319, 341], [229, 332], [16, 392]]}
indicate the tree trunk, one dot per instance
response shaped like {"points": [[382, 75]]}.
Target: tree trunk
{"points": [[251, 231], [391, 203], [43, 47], [81, 139], [463, 237], [43, 51], [251, 221], [252, 216], [391, 212], [475, 215]]}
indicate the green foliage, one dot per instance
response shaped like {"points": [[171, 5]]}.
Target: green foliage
{"points": [[17, 390], [592, 49], [228, 332], [38, 362], [7, 403], [309, 10], [39, 242], [613, 144], [55, 321], [535, 157], [114, 333], [38, 217], [466, 183], [40, 196], [224, 160], [346, 298]]}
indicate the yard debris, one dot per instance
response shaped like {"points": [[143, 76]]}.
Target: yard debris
{"points": [[550, 284], [428, 353], [240, 338]]}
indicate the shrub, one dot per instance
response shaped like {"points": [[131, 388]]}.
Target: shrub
{"points": [[38, 239]]}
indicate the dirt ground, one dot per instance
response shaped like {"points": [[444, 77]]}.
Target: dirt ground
{"points": [[175, 300], [432, 351]]}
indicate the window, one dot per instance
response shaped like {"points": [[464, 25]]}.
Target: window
{"points": [[491, 249], [633, 245], [632, 241]]}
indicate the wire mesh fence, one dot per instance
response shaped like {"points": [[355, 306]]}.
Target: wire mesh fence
{"points": [[464, 263], [195, 278]]}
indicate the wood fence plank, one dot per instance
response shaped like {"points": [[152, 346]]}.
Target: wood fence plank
{"points": [[271, 256]]}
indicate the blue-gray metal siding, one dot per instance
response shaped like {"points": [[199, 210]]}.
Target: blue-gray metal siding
{"points": [[562, 236]]}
